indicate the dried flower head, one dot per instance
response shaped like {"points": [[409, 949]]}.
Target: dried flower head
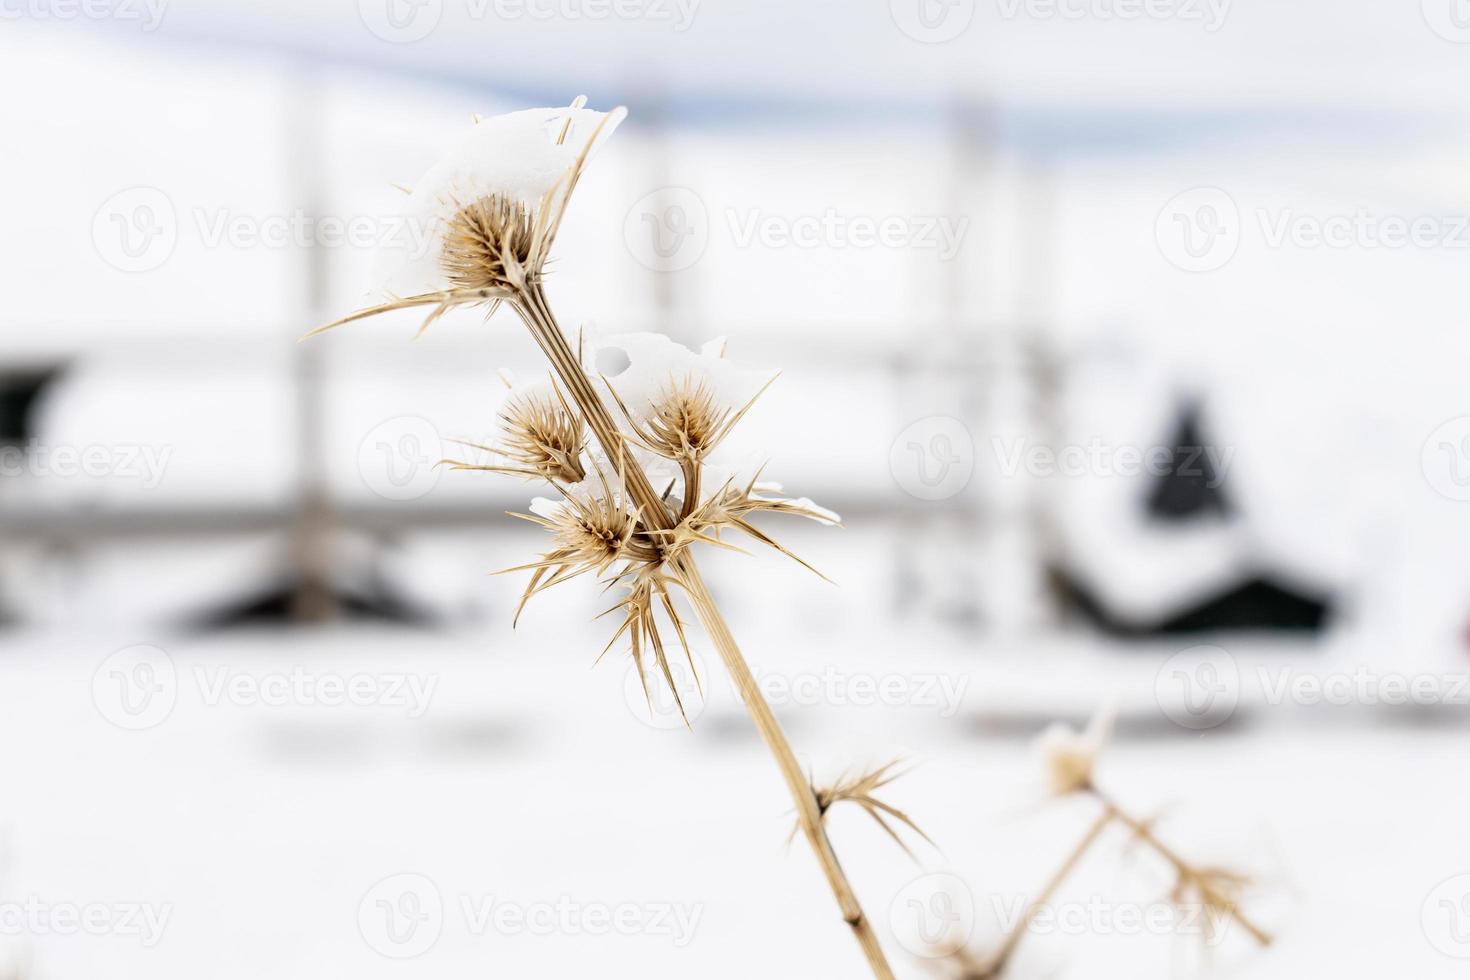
{"points": [[685, 422], [542, 437], [590, 535], [1069, 756], [678, 403], [485, 216], [490, 244]]}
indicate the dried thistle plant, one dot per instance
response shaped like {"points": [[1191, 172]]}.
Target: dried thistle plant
{"points": [[492, 211], [1070, 759]]}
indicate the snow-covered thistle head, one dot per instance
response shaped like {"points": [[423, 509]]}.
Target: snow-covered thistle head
{"points": [[487, 214], [679, 404], [1069, 756]]}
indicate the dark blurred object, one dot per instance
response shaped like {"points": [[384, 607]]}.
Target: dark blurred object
{"points": [[322, 582], [1189, 496], [1191, 489], [19, 393], [1257, 604]]}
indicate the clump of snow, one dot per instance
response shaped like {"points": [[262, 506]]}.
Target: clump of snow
{"points": [[516, 155]]}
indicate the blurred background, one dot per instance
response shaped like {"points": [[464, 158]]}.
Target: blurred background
{"points": [[1127, 337]]}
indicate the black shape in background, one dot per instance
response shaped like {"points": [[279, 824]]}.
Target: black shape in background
{"points": [[1255, 604], [1190, 489], [19, 392]]}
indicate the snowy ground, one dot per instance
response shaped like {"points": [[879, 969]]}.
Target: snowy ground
{"points": [[526, 799]]}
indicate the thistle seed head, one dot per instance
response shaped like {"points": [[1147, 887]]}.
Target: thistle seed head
{"points": [[491, 244], [685, 422], [1069, 756], [591, 534], [544, 437]]}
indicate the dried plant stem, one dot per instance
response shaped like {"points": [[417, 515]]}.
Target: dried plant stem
{"points": [[997, 963], [691, 470], [532, 306], [1211, 895]]}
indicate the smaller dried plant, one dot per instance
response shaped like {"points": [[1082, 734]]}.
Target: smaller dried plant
{"points": [[1070, 758]]}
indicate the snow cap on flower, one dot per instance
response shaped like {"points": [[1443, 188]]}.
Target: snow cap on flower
{"points": [[1069, 756], [658, 368], [519, 158]]}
